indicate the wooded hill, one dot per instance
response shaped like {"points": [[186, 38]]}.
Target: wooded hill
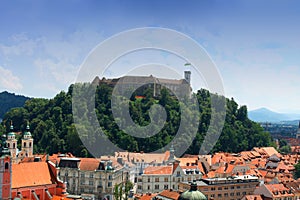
{"points": [[53, 129]]}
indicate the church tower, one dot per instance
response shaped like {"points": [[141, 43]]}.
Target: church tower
{"points": [[12, 142], [5, 169], [298, 132], [27, 143]]}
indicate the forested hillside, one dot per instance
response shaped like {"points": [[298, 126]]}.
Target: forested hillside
{"points": [[10, 100], [53, 129]]}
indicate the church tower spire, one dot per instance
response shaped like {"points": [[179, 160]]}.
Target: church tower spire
{"points": [[27, 142], [12, 142]]}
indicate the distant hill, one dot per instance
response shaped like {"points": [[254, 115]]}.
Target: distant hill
{"points": [[10, 100], [266, 115]]}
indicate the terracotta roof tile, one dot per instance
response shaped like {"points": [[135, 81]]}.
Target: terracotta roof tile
{"points": [[158, 170], [89, 164], [170, 194], [30, 174]]}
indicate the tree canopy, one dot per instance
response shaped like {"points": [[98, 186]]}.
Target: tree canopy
{"points": [[53, 129]]}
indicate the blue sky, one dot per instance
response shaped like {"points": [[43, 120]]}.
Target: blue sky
{"points": [[254, 44]]}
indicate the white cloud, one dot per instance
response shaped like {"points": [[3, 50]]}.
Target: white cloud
{"points": [[21, 44], [8, 81], [62, 71]]}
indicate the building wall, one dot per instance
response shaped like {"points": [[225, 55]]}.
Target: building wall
{"points": [[5, 178], [158, 182], [224, 191], [98, 182], [39, 190]]}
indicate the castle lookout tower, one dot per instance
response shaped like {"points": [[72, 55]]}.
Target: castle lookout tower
{"points": [[298, 132]]}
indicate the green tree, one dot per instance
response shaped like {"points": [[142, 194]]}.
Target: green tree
{"points": [[297, 171]]}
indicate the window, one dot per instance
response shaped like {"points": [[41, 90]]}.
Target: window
{"points": [[226, 195], [82, 175], [91, 175], [90, 191], [219, 188], [109, 184], [212, 195], [232, 187], [178, 173], [213, 188], [157, 187], [156, 179], [166, 187], [109, 177], [148, 179], [231, 194], [219, 195], [238, 187], [148, 187], [226, 188], [8, 145], [24, 144], [238, 194], [166, 179], [139, 187], [6, 166], [91, 182], [29, 144]]}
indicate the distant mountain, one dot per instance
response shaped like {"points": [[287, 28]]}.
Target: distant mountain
{"points": [[266, 115], [10, 100]]}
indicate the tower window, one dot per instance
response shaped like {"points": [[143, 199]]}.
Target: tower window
{"points": [[8, 145], [24, 144], [29, 144], [14, 145]]}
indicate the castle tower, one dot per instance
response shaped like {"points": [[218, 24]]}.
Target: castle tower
{"points": [[187, 73], [298, 132], [27, 143], [12, 142], [187, 76]]}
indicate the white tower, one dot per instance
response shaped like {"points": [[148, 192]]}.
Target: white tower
{"points": [[27, 143], [187, 76], [298, 132], [12, 142]]}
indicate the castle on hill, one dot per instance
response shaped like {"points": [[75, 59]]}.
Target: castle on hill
{"points": [[180, 88]]}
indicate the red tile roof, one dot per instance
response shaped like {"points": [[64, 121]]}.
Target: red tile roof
{"points": [[170, 194], [30, 174], [89, 164], [158, 170]]}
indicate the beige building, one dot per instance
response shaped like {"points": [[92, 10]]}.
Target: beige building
{"points": [[233, 188], [159, 178], [91, 177]]}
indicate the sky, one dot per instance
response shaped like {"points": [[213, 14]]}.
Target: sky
{"points": [[255, 45]]}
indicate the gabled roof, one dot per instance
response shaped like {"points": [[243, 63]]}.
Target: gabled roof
{"points": [[159, 170], [89, 164], [30, 174], [170, 194]]}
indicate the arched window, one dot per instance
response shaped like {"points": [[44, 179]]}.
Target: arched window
{"points": [[24, 144], [29, 144], [6, 166], [8, 145], [14, 145]]}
